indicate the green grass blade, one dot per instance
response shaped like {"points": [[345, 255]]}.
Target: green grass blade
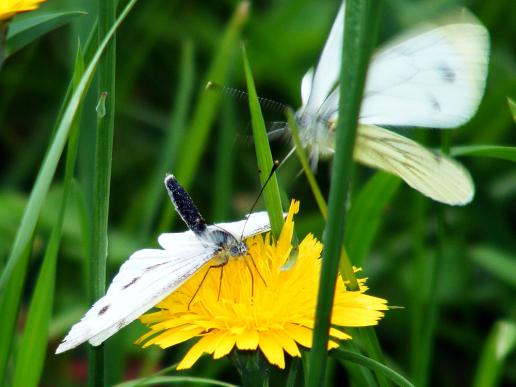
{"points": [[9, 307], [271, 192], [175, 133], [182, 380], [33, 345], [49, 165], [102, 177], [206, 108], [359, 32], [365, 214], [500, 343], [27, 28], [499, 263], [319, 198], [512, 108], [377, 367], [495, 151]]}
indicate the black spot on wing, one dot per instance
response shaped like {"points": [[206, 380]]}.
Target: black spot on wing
{"points": [[446, 72], [103, 310], [435, 104]]}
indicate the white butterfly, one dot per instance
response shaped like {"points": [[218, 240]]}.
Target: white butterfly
{"points": [[430, 77], [149, 275]]}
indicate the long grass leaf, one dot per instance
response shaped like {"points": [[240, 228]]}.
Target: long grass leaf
{"points": [[102, 177], [359, 32], [372, 364], [49, 165], [365, 214], [495, 151], [25, 30], [271, 192], [500, 343], [9, 307], [33, 345]]}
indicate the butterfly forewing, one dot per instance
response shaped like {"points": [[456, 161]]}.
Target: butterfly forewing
{"points": [[435, 79], [145, 279]]}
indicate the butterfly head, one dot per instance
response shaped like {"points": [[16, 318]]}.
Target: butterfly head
{"points": [[317, 134], [237, 249]]}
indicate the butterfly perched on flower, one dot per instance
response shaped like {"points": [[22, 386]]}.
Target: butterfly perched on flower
{"points": [[150, 275], [430, 77]]}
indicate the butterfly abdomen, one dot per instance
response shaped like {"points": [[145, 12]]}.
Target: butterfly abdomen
{"points": [[185, 206]]}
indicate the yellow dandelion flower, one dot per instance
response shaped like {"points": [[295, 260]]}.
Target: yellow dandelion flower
{"points": [[274, 309], [9, 8]]}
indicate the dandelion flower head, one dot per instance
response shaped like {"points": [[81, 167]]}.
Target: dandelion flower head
{"points": [[9, 8], [273, 310]]}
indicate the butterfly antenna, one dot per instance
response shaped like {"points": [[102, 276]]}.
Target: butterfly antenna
{"points": [[275, 166], [265, 103]]}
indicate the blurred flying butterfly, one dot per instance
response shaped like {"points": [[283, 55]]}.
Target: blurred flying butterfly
{"points": [[150, 275], [432, 77]]}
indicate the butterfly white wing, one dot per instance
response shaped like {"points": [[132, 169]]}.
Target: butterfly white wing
{"points": [[328, 69], [434, 175], [435, 79], [306, 86], [257, 223], [145, 279]]}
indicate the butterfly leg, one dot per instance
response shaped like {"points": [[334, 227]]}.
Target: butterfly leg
{"points": [[221, 265]]}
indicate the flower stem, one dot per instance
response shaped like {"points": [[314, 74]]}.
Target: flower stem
{"points": [[252, 367], [360, 22]]}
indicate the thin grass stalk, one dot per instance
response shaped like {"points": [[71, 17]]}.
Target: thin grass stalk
{"points": [[356, 358], [33, 345], [319, 198], [367, 334], [13, 275], [359, 31], [271, 193], [102, 177], [49, 165]]}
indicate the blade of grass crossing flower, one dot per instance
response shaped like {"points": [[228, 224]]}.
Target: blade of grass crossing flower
{"points": [[49, 165], [33, 345], [271, 192], [365, 214], [175, 134], [206, 108], [500, 343], [359, 32], [319, 198], [388, 373], [102, 177], [10, 305], [368, 335], [27, 28]]}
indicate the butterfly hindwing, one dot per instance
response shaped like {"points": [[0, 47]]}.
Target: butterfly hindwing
{"points": [[433, 174]]}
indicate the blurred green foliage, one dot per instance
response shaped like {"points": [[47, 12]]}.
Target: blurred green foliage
{"points": [[164, 50]]}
